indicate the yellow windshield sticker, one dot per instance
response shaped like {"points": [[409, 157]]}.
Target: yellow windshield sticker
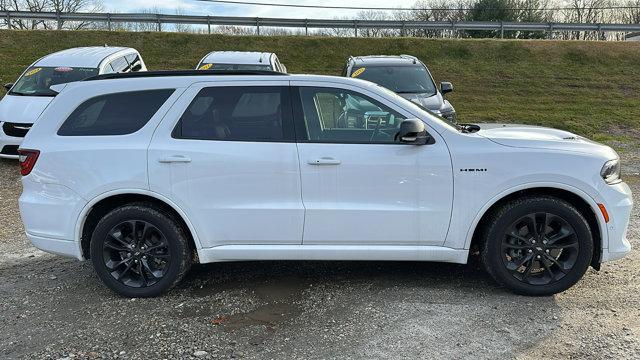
{"points": [[33, 71], [357, 72], [205, 67]]}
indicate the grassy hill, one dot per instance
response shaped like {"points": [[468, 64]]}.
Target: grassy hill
{"points": [[592, 88]]}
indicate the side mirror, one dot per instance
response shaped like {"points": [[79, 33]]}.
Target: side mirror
{"points": [[8, 86], [446, 87], [136, 67], [412, 131]]}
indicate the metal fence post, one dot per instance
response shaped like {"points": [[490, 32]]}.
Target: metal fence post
{"points": [[109, 21], [550, 33], [209, 24], [306, 27], [501, 30], [403, 31], [8, 21], [258, 26], [355, 27], [159, 23], [59, 20]]}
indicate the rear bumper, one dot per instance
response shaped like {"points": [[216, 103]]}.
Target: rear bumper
{"points": [[56, 246], [49, 213], [619, 205]]}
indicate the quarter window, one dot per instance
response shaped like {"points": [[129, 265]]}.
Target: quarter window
{"points": [[237, 114], [134, 62], [343, 116], [114, 114], [119, 65]]}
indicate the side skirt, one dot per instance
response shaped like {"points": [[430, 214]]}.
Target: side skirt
{"points": [[333, 252]]}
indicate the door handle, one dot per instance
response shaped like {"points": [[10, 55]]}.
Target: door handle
{"points": [[174, 159], [324, 161]]}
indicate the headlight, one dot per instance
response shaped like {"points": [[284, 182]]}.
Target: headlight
{"points": [[611, 171]]}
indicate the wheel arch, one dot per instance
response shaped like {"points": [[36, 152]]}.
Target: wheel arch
{"points": [[106, 202], [587, 206]]}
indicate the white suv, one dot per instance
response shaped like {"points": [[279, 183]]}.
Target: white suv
{"points": [[30, 95], [241, 61], [147, 173]]}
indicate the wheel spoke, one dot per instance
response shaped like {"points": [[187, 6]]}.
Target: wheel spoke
{"points": [[154, 247], [527, 270], [540, 225], [555, 262], [117, 236], [141, 271], [129, 265], [115, 247], [547, 268], [146, 266]]}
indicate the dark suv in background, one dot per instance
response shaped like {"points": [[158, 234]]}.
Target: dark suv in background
{"points": [[407, 76]]}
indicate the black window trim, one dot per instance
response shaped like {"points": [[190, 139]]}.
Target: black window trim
{"points": [[301, 127], [114, 93], [288, 123]]}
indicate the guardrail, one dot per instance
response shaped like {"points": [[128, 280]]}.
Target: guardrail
{"points": [[257, 22]]}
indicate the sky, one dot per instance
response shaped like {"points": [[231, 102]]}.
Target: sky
{"points": [[195, 7]]}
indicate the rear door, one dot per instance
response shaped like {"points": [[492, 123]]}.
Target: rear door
{"points": [[226, 155]]}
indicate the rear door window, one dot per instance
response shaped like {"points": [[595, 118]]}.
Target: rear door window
{"points": [[114, 114], [257, 113]]}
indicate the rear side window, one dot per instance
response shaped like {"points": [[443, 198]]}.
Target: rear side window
{"points": [[238, 114], [114, 114]]}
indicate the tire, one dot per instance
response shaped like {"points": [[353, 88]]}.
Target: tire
{"points": [[511, 254], [148, 266]]}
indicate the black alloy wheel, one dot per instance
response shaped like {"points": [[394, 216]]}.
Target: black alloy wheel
{"points": [[140, 250], [536, 245], [136, 253]]}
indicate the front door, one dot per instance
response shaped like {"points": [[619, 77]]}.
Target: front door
{"points": [[360, 186], [226, 155]]}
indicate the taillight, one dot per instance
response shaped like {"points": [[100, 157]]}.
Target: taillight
{"points": [[27, 160]]}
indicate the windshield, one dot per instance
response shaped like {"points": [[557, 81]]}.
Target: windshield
{"points": [[209, 66], [37, 80], [400, 79]]}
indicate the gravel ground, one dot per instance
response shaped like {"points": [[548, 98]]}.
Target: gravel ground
{"points": [[53, 307]]}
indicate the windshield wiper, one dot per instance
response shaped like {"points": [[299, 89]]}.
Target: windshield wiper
{"points": [[26, 94]]}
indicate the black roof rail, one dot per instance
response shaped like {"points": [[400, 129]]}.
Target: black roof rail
{"points": [[146, 74]]}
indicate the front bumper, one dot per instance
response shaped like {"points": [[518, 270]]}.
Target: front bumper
{"points": [[619, 203], [9, 144]]}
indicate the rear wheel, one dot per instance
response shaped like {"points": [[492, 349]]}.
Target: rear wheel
{"points": [[139, 251], [537, 245]]}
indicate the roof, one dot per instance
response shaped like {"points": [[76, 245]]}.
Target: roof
{"points": [[80, 57], [238, 57], [174, 73], [383, 60], [186, 78]]}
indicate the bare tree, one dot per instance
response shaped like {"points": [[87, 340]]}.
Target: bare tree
{"points": [[57, 6]]}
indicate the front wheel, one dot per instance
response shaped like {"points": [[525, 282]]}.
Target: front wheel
{"points": [[537, 245], [139, 251]]}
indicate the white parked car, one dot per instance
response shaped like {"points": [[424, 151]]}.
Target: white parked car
{"points": [[30, 95], [241, 61], [146, 173]]}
